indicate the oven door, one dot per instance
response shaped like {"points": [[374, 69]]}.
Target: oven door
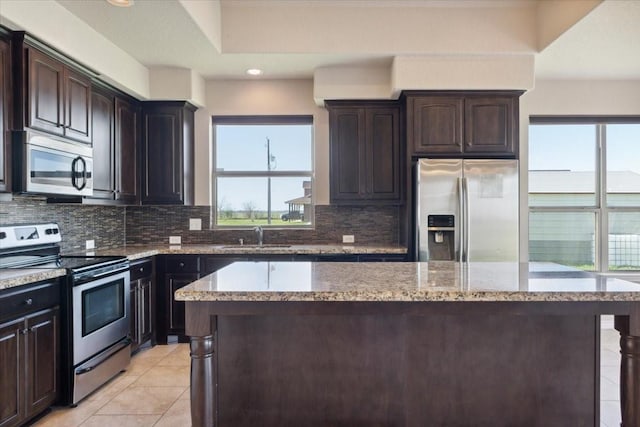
{"points": [[100, 315]]}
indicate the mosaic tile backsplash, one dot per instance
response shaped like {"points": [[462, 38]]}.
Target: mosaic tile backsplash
{"points": [[113, 226]]}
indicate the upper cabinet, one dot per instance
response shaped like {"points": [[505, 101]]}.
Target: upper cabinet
{"points": [[59, 98], [167, 152], [463, 124], [127, 147], [365, 152], [115, 123], [5, 110]]}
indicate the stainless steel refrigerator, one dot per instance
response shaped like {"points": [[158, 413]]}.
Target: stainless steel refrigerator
{"points": [[466, 210]]}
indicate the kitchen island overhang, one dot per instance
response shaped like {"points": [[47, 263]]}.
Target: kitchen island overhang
{"points": [[405, 344]]}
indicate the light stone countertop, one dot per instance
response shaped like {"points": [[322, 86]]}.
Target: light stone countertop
{"points": [[405, 281], [143, 251], [17, 277], [12, 277]]}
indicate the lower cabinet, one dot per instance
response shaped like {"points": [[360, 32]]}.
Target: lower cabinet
{"points": [[29, 357], [177, 271], [142, 303]]}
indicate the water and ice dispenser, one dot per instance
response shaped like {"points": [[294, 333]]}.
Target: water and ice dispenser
{"points": [[441, 234]]}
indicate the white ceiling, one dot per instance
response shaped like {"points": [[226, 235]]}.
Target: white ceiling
{"points": [[291, 38]]}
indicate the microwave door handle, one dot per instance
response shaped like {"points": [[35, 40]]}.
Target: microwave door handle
{"points": [[74, 174]]}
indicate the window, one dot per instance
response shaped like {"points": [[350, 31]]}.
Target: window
{"points": [[584, 192], [263, 171]]}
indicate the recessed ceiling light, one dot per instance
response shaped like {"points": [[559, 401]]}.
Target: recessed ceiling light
{"points": [[121, 3], [254, 71]]}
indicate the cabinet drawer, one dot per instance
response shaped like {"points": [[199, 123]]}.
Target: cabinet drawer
{"points": [[183, 264], [29, 298], [141, 269]]}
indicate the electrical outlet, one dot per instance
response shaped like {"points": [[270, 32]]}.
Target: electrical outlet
{"points": [[348, 238], [195, 224], [90, 244], [175, 240]]}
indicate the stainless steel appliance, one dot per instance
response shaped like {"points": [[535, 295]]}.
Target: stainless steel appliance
{"points": [[95, 312], [52, 166], [466, 210]]}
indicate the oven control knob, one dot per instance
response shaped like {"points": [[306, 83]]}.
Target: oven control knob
{"points": [[48, 231], [28, 301], [3, 235]]}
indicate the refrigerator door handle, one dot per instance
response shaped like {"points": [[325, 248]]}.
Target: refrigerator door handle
{"points": [[460, 252], [465, 217]]}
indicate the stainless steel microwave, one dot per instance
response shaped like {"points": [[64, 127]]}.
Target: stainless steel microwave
{"points": [[52, 166]]}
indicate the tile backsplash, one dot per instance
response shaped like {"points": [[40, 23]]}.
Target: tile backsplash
{"points": [[112, 226], [78, 223]]}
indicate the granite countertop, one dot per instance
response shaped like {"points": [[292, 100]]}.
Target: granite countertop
{"points": [[137, 252], [12, 277], [435, 281], [16, 277]]}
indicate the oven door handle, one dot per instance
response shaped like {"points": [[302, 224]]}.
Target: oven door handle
{"points": [[95, 276]]}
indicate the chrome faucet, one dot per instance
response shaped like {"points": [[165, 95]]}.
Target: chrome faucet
{"points": [[260, 232]]}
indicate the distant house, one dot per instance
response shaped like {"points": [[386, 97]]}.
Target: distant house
{"points": [[569, 237], [300, 206]]}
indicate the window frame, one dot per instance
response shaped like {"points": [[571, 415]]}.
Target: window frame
{"points": [[601, 210], [302, 119]]}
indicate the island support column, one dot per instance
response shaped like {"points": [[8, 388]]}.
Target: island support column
{"points": [[629, 328], [204, 401]]}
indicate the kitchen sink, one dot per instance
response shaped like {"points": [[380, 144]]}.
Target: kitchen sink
{"points": [[267, 246]]}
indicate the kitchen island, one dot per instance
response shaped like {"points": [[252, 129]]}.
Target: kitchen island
{"points": [[404, 344]]}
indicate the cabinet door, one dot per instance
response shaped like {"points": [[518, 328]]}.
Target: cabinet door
{"points": [[78, 106], [5, 106], [162, 151], [146, 309], [126, 143], [347, 144], [11, 372], [490, 126], [176, 308], [103, 146], [436, 125], [134, 303], [42, 360], [46, 108], [383, 154]]}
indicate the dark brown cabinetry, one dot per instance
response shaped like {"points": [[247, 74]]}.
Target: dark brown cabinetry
{"points": [[365, 152], [175, 272], [127, 131], [103, 146], [115, 144], [463, 124], [167, 153], [5, 110], [142, 300], [59, 98], [29, 353]]}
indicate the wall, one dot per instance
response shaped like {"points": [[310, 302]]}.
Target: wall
{"points": [[563, 98]]}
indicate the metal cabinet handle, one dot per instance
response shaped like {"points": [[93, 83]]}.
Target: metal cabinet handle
{"points": [[181, 264], [141, 269], [24, 331], [28, 301]]}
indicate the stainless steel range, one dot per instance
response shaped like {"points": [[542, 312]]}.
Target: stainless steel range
{"points": [[95, 311]]}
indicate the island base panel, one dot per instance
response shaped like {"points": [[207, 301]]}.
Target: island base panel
{"points": [[403, 370]]}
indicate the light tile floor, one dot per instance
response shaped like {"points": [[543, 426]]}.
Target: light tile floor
{"points": [[154, 391]]}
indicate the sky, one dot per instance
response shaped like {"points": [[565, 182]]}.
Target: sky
{"points": [[573, 147], [244, 148]]}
